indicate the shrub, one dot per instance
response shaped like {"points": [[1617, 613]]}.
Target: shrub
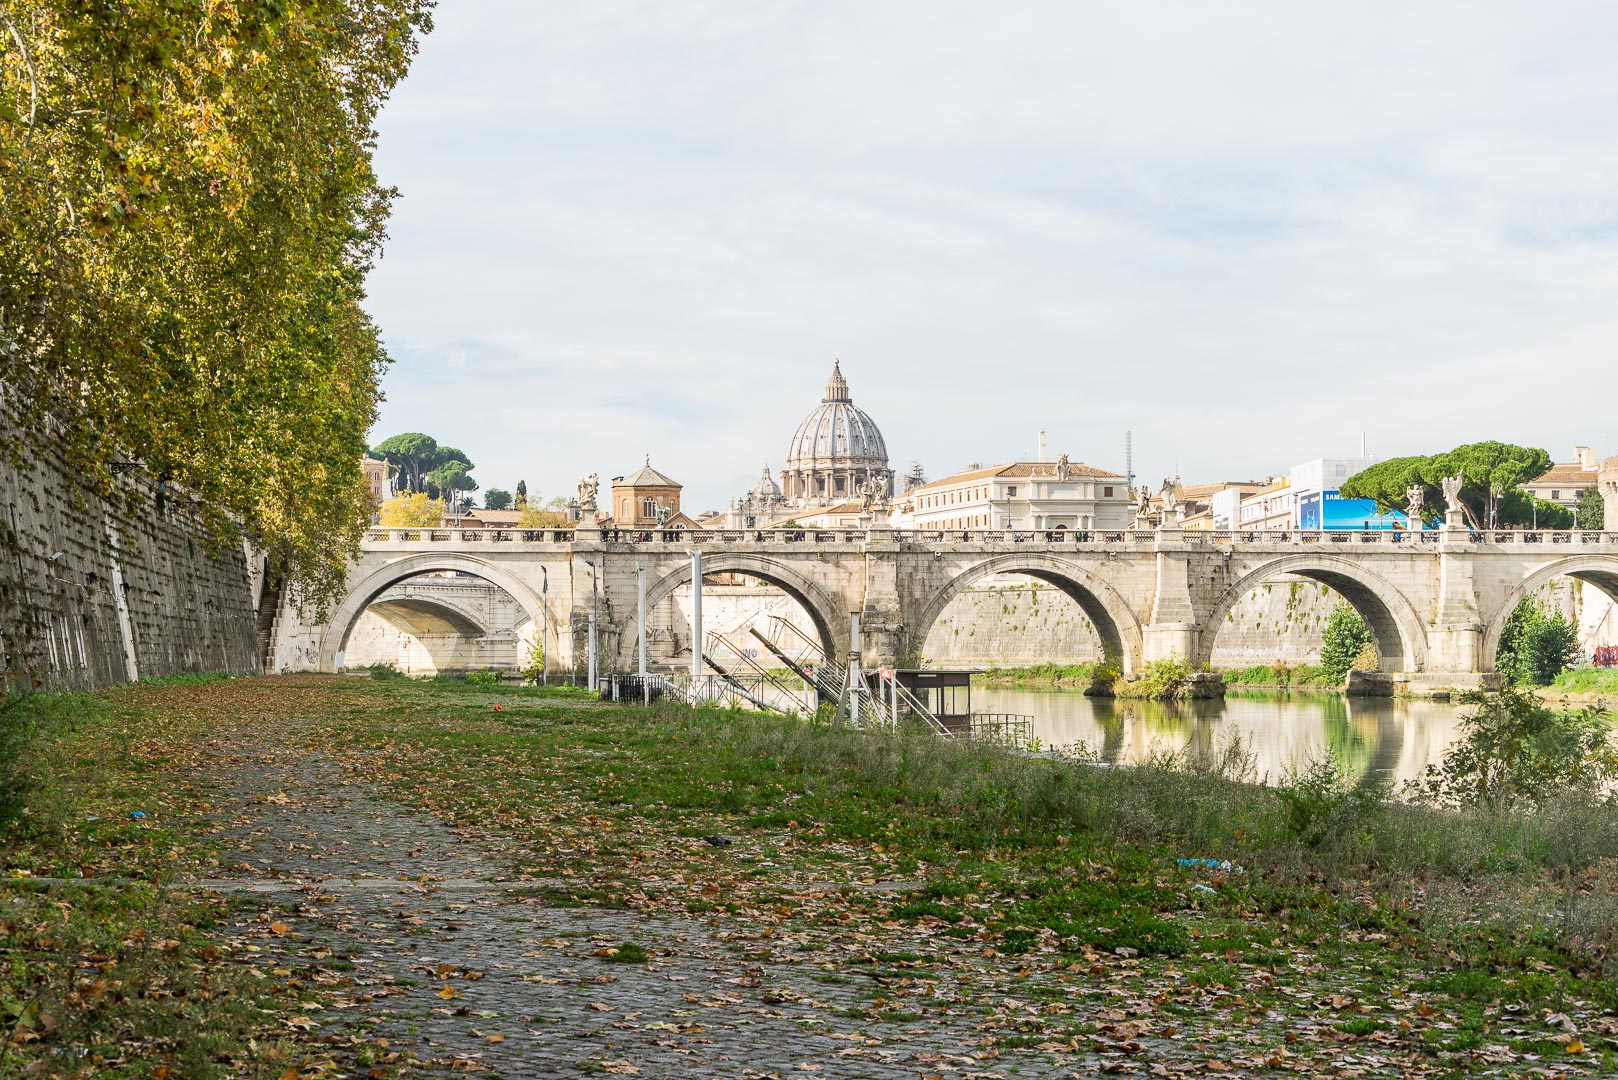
{"points": [[1346, 637], [1161, 680], [1323, 803], [1536, 645], [1515, 751], [483, 678]]}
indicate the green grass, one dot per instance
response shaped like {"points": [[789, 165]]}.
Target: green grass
{"points": [[1587, 681], [1065, 676], [1281, 677], [1011, 859]]}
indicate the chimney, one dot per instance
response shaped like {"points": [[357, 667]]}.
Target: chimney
{"points": [[1042, 446]]}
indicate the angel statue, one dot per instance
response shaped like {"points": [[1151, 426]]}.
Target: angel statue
{"points": [[868, 490], [588, 486], [1170, 501], [1452, 492], [1415, 499], [1063, 469], [1143, 499]]}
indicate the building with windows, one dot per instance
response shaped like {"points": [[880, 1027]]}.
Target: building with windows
{"points": [[1567, 480], [646, 499], [1035, 495]]}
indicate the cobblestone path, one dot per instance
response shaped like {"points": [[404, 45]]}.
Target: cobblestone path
{"points": [[438, 956]]}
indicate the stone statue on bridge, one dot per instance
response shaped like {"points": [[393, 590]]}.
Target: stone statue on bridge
{"points": [[1452, 493], [588, 487], [1063, 468], [1415, 499], [870, 490]]}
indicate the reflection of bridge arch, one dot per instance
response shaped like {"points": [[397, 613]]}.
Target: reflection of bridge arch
{"points": [[1599, 570], [811, 597], [1401, 637], [1107, 611], [335, 638]]}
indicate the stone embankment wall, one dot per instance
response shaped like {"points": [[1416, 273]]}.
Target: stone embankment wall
{"points": [[94, 593]]}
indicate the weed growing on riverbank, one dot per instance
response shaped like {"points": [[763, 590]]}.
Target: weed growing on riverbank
{"points": [[1588, 680], [1038, 676], [1282, 677]]}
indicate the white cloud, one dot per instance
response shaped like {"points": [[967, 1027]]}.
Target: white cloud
{"points": [[1248, 233]]}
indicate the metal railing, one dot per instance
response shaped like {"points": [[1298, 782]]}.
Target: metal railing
{"points": [[1094, 538]]}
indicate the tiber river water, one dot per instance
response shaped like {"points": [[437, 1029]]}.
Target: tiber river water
{"points": [[1376, 738]]}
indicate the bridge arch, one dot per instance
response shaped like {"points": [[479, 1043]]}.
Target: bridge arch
{"points": [[363, 592], [1599, 570], [822, 610], [1401, 636], [1116, 625]]}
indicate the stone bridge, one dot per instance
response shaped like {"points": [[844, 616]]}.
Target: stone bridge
{"points": [[1436, 601]]}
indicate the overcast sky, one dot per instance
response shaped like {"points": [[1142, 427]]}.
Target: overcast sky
{"points": [[1247, 232]]}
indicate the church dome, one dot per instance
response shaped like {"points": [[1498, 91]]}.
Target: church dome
{"points": [[837, 431], [766, 488]]}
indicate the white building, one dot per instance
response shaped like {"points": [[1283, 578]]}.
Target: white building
{"points": [[1033, 495]]}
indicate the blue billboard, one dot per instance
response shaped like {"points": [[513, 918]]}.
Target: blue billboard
{"points": [[1331, 511]]}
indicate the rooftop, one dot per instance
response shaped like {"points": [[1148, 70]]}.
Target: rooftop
{"points": [[1045, 469]]}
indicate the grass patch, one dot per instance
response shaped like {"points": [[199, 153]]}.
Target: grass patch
{"points": [[628, 953], [1038, 676], [1588, 680], [1281, 677]]}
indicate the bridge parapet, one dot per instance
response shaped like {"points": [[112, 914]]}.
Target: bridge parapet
{"points": [[394, 539]]}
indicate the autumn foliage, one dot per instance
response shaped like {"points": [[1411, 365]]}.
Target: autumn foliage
{"points": [[188, 213]]}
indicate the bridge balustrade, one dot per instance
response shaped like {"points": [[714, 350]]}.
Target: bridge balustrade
{"points": [[1113, 537]]}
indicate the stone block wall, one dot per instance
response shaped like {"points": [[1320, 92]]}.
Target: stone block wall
{"points": [[94, 592]]}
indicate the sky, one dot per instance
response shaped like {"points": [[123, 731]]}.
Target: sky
{"points": [[1248, 233]]}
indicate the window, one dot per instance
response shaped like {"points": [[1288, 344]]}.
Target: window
{"points": [[648, 507], [1011, 493], [1106, 493], [1342, 470], [1555, 495]]}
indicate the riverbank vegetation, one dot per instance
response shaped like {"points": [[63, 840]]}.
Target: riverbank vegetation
{"points": [[1537, 644], [1431, 932], [1038, 677], [1282, 677]]}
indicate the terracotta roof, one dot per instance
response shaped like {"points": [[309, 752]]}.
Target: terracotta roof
{"points": [[1565, 475], [645, 476], [1043, 469], [841, 508]]}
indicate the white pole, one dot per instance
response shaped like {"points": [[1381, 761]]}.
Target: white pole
{"points": [[696, 615], [544, 628], [640, 605], [855, 678]]}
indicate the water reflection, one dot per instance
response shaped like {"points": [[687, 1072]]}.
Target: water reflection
{"points": [[1377, 738]]}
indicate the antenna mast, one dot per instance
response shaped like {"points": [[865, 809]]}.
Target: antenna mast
{"points": [[1129, 458]]}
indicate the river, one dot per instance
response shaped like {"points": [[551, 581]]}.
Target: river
{"points": [[1386, 739]]}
